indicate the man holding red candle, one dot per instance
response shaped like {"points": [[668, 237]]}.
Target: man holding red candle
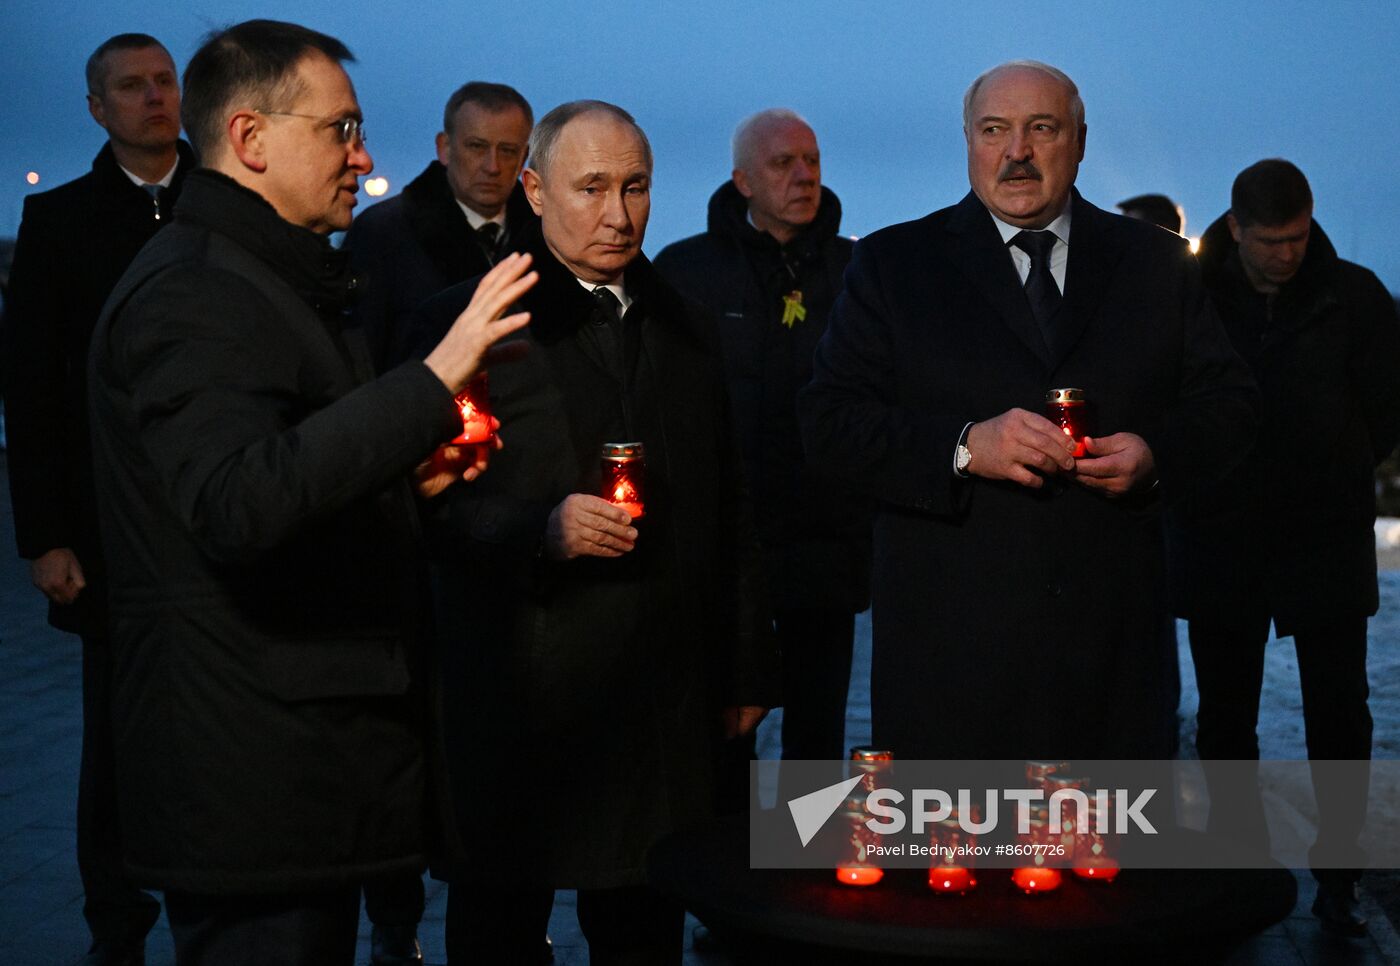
{"points": [[1019, 604], [1287, 540], [610, 654], [274, 719]]}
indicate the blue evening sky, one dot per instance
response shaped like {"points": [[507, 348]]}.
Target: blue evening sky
{"points": [[1179, 96]]}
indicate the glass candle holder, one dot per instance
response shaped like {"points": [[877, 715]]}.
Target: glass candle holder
{"points": [[856, 866], [624, 477], [1036, 877], [475, 406], [873, 762], [1069, 410], [952, 871], [1095, 857]]}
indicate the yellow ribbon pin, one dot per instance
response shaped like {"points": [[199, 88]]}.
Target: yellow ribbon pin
{"points": [[793, 309]]}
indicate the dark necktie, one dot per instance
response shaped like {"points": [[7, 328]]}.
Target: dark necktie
{"points": [[607, 326], [154, 191], [1041, 290], [489, 234]]}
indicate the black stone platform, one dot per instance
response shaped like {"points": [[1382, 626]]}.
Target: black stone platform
{"points": [[804, 916]]}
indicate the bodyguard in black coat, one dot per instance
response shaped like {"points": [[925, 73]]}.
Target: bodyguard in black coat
{"points": [[597, 653], [1019, 594], [74, 243], [435, 232], [1288, 537], [769, 268], [273, 707]]}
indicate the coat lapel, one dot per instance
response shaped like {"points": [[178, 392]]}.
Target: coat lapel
{"points": [[1093, 255], [978, 250]]}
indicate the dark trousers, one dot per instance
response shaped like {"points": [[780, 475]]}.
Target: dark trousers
{"points": [[1229, 659], [624, 927], [116, 911], [395, 901], [313, 929], [816, 646]]}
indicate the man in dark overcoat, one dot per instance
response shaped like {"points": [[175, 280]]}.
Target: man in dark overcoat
{"points": [[604, 656], [451, 223], [769, 268], [1019, 603], [272, 713], [74, 243], [1285, 539]]}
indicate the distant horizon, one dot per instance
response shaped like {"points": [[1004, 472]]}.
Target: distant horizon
{"points": [[1178, 100]]}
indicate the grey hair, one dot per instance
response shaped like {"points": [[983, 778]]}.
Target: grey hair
{"points": [[1076, 103], [745, 141], [545, 136]]}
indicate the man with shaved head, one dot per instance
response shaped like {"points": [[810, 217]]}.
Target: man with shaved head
{"points": [[610, 650], [1019, 605], [769, 268]]}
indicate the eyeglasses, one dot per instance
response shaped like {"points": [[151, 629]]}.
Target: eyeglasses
{"points": [[350, 130]]}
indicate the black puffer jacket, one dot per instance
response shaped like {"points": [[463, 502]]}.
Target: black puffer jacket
{"points": [[1292, 527], [815, 533]]}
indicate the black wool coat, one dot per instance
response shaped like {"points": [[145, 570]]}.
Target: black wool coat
{"points": [[272, 712], [1011, 622], [814, 530], [1290, 532], [593, 687], [413, 246], [74, 243]]}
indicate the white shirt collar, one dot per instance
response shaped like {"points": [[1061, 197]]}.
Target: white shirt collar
{"points": [[617, 288], [1060, 226], [164, 182], [477, 220]]}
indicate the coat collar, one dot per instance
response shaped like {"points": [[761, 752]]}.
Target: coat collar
{"points": [[1093, 254], [112, 182], [1306, 296], [305, 260], [729, 215], [437, 222]]}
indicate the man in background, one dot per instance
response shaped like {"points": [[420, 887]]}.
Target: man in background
{"points": [[74, 243], [451, 223], [768, 268], [1288, 537], [1157, 209]]}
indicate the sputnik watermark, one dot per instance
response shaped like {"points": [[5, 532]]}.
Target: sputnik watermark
{"points": [[888, 819]]}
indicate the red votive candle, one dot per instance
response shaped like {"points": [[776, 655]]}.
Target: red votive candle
{"points": [[474, 404], [873, 762], [951, 872], [1068, 409], [1094, 857], [624, 477], [856, 866], [1037, 877]]}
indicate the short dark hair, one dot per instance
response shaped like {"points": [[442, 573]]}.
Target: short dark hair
{"points": [[1269, 192], [546, 133], [1158, 209], [96, 70], [255, 60], [491, 97]]}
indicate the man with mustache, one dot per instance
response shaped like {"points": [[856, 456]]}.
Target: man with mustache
{"points": [[769, 267], [1286, 540], [74, 243], [1018, 596]]}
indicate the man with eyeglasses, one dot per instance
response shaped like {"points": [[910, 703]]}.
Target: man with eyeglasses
{"points": [[275, 721], [74, 243], [451, 223]]}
